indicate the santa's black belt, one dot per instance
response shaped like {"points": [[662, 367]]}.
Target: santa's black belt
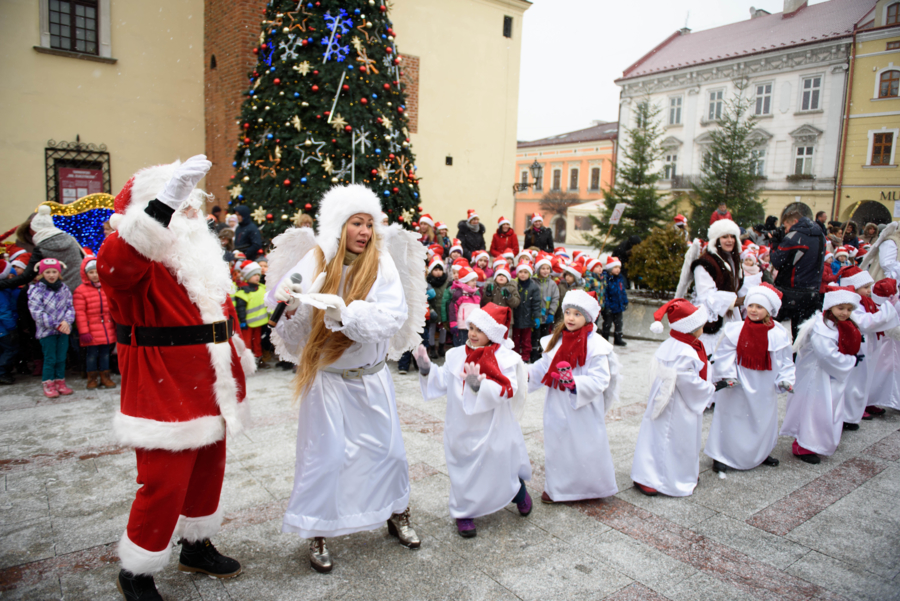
{"points": [[215, 333]]}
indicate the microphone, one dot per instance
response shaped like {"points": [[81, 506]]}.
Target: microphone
{"points": [[296, 278]]}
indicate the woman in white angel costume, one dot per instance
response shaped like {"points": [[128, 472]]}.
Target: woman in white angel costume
{"points": [[355, 296]]}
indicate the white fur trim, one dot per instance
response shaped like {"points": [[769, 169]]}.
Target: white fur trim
{"points": [[503, 221], [720, 228], [496, 332], [840, 297], [571, 269], [336, 207], [145, 433], [584, 302], [196, 529], [656, 327], [502, 271], [690, 323], [524, 266], [114, 220], [863, 278], [140, 561], [248, 361], [764, 297], [612, 264], [542, 262]]}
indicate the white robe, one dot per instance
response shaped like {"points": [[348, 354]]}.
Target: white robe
{"points": [[483, 443], [667, 455], [718, 304], [744, 428], [577, 461], [815, 412], [884, 370], [856, 394], [351, 473], [887, 258]]}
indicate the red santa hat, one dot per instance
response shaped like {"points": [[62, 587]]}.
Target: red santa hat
{"points": [[763, 250], [466, 275], [426, 219], [480, 254], [559, 251], [593, 263], [852, 250], [575, 269], [680, 220], [748, 253], [508, 254], [460, 263], [15, 252], [683, 316], [829, 256], [863, 251], [524, 265], [583, 302], [471, 214], [854, 276], [503, 221], [612, 262], [494, 321], [437, 249], [558, 265], [22, 261], [435, 263], [839, 295], [502, 270], [524, 255], [250, 269], [5, 268], [480, 273], [884, 290], [536, 217], [841, 250], [456, 245], [543, 259], [440, 225], [498, 262], [766, 296]]}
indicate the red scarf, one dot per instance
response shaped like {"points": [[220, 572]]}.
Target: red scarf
{"points": [[693, 342], [753, 345], [870, 307], [485, 358], [573, 349], [849, 336]]}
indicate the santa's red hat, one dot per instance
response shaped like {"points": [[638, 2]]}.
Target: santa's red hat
{"points": [[537, 217], [854, 276], [840, 295], [841, 250], [5, 268], [494, 321], [509, 254], [250, 269], [575, 269], [852, 250], [558, 264], [456, 245], [680, 219], [437, 249], [543, 259], [21, 262], [498, 262], [593, 263], [435, 263], [426, 219], [466, 275], [471, 214], [748, 253], [440, 225], [683, 316], [15, 252], [503, 221], [480, 273], [766, 296], [502, 270], [884, 290], [560, 252], [525, 265], [460, 263], [480, 254], [612, 262]]}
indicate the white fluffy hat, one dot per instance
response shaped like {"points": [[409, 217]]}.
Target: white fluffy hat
{"points": [[494, 321], [336, 207], [722, 227], [764, 295], [586, 304], [837, 295]]}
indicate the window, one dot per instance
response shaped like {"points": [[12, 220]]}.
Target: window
{"points": [[758, 161], [670, 166], [893, 14], [73, 25], [675, 110], [583, 224], [803, 162], [573, 179], [812, 88], [595, 178], [507, 27], [715, 104], [764, 99], [882, 144], [888, 85], [557, 176], [523, 177], [893, 46]]}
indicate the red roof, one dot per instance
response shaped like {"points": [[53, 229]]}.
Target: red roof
{"points": [[825, 21], [603, 131]]}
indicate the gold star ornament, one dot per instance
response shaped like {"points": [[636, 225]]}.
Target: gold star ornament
{"points": [[259, 215], [236, 191]]}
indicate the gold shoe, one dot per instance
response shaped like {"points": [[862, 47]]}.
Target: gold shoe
{"points": [[399, 526], [320, 556]]}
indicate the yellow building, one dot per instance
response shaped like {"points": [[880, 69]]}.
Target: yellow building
{"points": [[122, 78], [868, 187]]}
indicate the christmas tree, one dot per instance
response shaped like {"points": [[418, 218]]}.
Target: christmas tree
{"points": [[656, 262], [325, 106]]}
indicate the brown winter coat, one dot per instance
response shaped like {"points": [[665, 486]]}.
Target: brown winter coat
{"points": [[493, 293]]}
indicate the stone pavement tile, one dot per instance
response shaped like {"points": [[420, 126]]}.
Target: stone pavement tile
{"points": [[639, 562], [636, 592], [426, 447], [888, 448], [844, 579], [758, 544], [46, 590], [887, 482], [681, 510], [703, 587], [241, 490], [500, 535], [631, 414], [24, 542], [566, 523], [277, 480], [23, 500], [622, 436], [77, 533], [552, 569], [807, 501], [861, 529], [428, 498], [100, 584]]}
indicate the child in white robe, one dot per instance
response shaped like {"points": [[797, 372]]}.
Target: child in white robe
{"points": [[871, 319], [667, 456], [757, 353], [581, 372], [484, 381], [827, 347], [884, 367]]}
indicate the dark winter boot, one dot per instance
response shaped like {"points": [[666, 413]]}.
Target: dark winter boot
{"points": [[618, 341], [203, 557], [92, 380], [137, 588]]}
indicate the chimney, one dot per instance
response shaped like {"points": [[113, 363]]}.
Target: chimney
{"points": [[792, 7], [758, 12], [684, 30]]}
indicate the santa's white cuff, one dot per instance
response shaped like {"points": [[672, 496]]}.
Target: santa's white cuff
{"points": [[140, 561]]}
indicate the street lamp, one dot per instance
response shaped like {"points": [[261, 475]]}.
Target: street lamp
{"points": [[536, 171]]}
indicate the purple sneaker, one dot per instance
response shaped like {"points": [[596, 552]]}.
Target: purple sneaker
{"points": [[524, 506], [466, 528]]}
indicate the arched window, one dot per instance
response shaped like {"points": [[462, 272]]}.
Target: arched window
{"points": [[892, 14], [890, 80]]}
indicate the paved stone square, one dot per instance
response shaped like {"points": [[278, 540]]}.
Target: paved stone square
{"points": [[798, 531]]}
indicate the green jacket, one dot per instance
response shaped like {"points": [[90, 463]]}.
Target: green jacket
{"points": [[493, 293]]}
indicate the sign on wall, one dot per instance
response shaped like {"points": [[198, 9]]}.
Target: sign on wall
{"points": [[76, 183]]}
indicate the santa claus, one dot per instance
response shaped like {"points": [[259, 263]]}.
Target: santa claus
{"points": [[183, 365]]}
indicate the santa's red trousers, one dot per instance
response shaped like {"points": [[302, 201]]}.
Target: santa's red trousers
{"points": [[253, 340], [178, 483]]}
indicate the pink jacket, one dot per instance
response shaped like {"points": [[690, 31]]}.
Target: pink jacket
{"points": [[92, 310]]}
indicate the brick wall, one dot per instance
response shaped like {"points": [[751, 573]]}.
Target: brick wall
{"points": [[409, 78], [231, 30]]}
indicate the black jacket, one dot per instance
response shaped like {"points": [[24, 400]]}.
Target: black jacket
{"points": [[471, 241], [247, 238], [542, 239], [529, 307], [800, 256]]}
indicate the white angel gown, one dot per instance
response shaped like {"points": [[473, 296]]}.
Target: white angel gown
{"points": [[718, 304], [815, 412], [351, 473], [483, 443], [744, 428], [856, 394], [577, 461], [667, 455], [884, 370], [887, 258]]}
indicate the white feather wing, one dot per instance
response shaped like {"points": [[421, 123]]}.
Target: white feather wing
{"points": [[805, 330], [409, 259], [290, 246], [870, 261], [687, 276]]}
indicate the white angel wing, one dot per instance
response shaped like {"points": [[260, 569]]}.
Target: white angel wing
{"points": [[290, 246], [805, 330], [517, 403], [687, 276], [668, 376], [870, 261], [409, 259], [611, 394]]}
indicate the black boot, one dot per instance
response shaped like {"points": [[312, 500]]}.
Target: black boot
{"points": [[137, 588], [618, 341], [203, 557]]}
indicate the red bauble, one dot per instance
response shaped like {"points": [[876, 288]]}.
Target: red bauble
{"points": [[307, 206], [318, 116], [333, 140], [348, 129], [327, 113], [399, 109], [290, 202], [364, 100], [232, 177], [390, 156], [415, 224], [246, 126], [256, 51], [264, 46], [315, 72], [374, 171], [380, 120], [387, 86], [389, 50], [287, 182], [345, 87], [269, 216], [315, 88], [305, 42], [276, 81], [395, 190], [246, 140], [400, 218], [390, 31], [362, 69], [383, 8], [397, 61]]}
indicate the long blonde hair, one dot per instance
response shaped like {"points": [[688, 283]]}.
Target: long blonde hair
{"points": [[324, 347]]}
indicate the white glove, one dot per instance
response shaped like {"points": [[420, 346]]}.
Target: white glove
{"points": [[332, 304], [785, 387], [285, 294], [473, 376], [184, 180], [422, 360], [317, 284]]}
